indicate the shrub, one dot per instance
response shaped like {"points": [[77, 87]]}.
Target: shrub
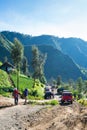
{"points": [[4, 79], [52, 102], [83, 102]]}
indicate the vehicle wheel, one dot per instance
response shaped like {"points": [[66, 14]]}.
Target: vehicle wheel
{"points": [[45, 97], [71, 102], [62, 102]]}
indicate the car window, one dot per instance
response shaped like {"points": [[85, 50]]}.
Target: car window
{"points": [[67, 94]]}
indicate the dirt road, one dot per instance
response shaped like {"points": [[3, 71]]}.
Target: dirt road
{"points": [[33, 117]]}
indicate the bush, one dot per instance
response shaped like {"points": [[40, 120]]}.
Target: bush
{"points": [[4, 79], [52, 102], [35, 98], [5, 94], [83, 102], [7, 89]]}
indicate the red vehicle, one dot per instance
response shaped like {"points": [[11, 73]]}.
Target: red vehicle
{"points": [[67, 97]]}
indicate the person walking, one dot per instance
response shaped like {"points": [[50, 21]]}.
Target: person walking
{"points": [[15, 95], [25, 95]]}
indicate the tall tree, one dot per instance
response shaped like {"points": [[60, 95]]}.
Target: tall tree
{"points": [[59, 80], [42, 59], [5, 59], [17, 55], [38, 62], [79, 85], [35, 61], [85, 86], [25, 66]]}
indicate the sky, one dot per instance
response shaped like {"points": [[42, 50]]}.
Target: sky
{"points": [[62, 18]]}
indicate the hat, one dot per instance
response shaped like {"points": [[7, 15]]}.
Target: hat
{"points": [[15, 88]]}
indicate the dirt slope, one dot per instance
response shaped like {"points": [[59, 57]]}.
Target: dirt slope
{"points": [[32, 117], [61, 118]]}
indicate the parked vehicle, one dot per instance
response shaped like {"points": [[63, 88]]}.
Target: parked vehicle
{"points": [[67, 97], [60, 90], [48, 93], [47, 89]]}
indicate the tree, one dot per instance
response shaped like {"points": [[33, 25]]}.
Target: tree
{"points": [[85, 86], [71, 84], [42, 59], [59, 80], [38, 61], [53, 82], [5, 59], [35, 61], [25, 66], [1, 63], [79, 85], [17, 55]]}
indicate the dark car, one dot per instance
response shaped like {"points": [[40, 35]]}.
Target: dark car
{"points": [[60, 90], [48, 95], [66, 97]]}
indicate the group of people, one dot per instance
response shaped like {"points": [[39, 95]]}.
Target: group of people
{"points": [[16, 94]]}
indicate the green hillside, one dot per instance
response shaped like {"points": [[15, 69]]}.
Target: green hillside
{"points": [[5, 84], [4, 79], [57, 62], [6, 87]]}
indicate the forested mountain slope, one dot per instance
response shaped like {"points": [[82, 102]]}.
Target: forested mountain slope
{"points": [[57, 63]]}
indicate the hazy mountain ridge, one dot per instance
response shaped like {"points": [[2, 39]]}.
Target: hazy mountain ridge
{"points": [[5, 47], [76, 48], [58, 63]]}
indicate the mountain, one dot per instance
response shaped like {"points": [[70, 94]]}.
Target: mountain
{"points": [[29, 40], [5, 47], [76, 48], [57, 63]]}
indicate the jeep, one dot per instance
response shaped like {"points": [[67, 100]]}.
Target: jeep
{"points": [[67, 97]]}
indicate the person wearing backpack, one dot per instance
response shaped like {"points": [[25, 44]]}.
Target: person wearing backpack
{"points": [[25, 95], [15, 95]]}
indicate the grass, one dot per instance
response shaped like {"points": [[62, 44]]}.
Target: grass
{"points": [[51, 102], [36, 92], [4, 79], [83, 102], [6, 94], [24, 81]]}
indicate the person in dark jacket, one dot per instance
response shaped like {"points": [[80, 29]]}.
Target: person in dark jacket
{"points": [[25, 95]]}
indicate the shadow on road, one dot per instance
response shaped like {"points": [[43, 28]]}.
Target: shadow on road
{"points": [[64, 104]]}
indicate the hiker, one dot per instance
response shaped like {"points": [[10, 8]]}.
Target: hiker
{"points": [[15, 95], [25, 95]]}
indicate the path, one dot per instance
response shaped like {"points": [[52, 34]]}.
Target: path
{"points": [[41, 117]]}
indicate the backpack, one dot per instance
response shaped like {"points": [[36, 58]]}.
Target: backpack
{"points": [[15, 93], [26, 92]]}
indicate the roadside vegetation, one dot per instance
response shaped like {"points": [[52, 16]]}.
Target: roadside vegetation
{"points": [[83, 102], [6, 87], [5, 84], [49, 102]]}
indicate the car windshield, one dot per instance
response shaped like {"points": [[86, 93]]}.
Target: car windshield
{"points": [[67, 94]]}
